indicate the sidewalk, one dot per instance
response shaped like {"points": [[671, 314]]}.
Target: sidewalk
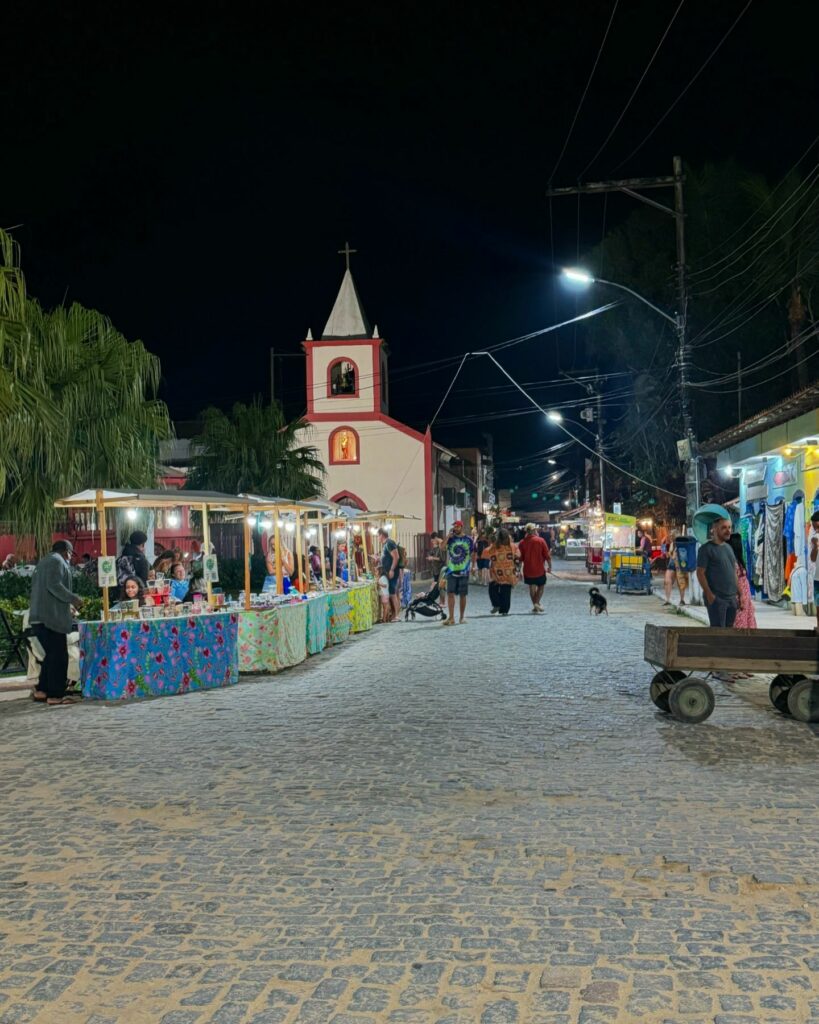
{"points": [[767, 617]]}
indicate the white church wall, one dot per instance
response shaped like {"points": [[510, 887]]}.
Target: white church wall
{"points": [[386, 456]]}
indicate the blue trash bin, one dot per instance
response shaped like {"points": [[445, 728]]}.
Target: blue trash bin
{"points": [[686, 548]]}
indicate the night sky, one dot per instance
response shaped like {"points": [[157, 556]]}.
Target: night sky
{"points": [[191, 170]]}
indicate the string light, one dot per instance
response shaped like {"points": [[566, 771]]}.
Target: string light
{"points": [[131, 514]]}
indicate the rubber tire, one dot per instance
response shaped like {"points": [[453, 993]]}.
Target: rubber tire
{"points": [[660, 687], [803, 700], [691, 701], [778, 692]]}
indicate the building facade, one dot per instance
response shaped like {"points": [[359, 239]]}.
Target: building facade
{"points": [[373, 461]]}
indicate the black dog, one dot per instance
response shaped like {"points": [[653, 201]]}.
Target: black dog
{"points": [[597, 603]]}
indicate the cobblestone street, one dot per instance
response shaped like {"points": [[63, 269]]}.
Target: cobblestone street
{"points": [[486, 824]]}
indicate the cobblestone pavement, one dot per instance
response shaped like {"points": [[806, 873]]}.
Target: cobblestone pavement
{"points": [[484, 824]]}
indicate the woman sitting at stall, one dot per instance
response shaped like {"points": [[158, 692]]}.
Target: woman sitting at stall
{"points": [[133, 590], [180, 584], [315, 563], [270, 564]]}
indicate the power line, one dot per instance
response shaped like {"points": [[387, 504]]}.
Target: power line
{"points": [[585, 91], [635, 90], [702, 68]]}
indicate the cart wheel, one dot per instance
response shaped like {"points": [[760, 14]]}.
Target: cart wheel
{"points": [[691, 700], [778, 692], [803, 700], [660, 685]]}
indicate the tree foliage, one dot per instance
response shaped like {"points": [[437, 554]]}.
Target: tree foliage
{"points": [[752, 266], [78, 405], [255, 450]]}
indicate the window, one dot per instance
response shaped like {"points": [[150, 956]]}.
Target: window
{"points": [[342, 378], [344, 446]]}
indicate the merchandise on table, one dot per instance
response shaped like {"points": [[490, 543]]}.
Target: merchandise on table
{"points": [[317, 623], [361, 608], [158, 656]]}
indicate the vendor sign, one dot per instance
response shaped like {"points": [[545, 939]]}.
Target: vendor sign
{"points": [[210, 569], [107, 571]]}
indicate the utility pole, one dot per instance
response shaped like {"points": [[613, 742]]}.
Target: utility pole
{"points": [[739, 387], [635, 187], [594, 390]]}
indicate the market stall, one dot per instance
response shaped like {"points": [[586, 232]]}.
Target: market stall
{"points": [[160, 647]]}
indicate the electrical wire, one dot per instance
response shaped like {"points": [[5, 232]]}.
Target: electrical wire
{"points": [[585, 91], [697, 74], [635, 90], [788, 369], [620, 469]]}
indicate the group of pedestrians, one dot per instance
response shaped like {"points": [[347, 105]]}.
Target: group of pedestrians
{"points": [[493, 559]]}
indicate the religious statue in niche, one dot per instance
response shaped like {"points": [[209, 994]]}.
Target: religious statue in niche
{"points": [[345, 447], [342, 378]]}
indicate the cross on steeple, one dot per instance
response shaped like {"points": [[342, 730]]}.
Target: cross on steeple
{"points": [[347, 252]]}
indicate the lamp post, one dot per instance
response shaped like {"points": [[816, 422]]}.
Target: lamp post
{"points": [[692, 476]]}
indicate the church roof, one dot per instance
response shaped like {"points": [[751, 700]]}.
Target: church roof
{"points": [[347, 319]]}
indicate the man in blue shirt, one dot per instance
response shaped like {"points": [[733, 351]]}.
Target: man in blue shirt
{"points": [[459, 549]]}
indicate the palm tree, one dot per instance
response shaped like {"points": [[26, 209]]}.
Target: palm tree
{"points": [[77, 406], [254, 450]]}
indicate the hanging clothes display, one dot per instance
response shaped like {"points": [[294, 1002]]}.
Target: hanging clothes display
{"points": [[746, 532], [774, 564], [801, 592], [759, 551]]}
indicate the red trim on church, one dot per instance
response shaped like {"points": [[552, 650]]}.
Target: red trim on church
{"points": [[337, 498], [335, 362]]}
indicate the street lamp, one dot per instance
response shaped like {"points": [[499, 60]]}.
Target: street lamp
{"points": [[554, 416], [577, 275]]}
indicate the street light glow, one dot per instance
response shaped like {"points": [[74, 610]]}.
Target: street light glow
{"points": [[554, 416], [577, 275], [551, 462]]}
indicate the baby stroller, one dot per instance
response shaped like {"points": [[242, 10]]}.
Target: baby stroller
{"points": [[426, 605]]}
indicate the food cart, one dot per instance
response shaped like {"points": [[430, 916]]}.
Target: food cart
{"points": [[595, 541], [623, 567]]}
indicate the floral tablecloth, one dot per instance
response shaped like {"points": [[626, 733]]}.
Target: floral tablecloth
{"points": [[317, 625], [151, 658], [271, 639], [338, 619], [361, 608]]}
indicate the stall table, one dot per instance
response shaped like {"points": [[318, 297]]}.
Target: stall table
{"points": [[317, 623], [156, 657], [361, 607], [338, 617], [271, 639]]}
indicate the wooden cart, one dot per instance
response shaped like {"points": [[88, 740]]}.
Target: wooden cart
{"points": [[675, 654]]}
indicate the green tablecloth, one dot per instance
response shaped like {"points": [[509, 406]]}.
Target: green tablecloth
{"points": [[271, 639], [317, 624], [339, 616], [361, 607]]}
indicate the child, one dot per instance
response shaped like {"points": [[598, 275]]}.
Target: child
{"points": [[384, 594]]}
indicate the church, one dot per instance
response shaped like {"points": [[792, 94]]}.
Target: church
{"points": [[373, 462]]}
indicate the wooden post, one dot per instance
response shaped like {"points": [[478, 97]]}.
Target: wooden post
{"points": [[247, 538], [103, 527], [320, 530], [206, 545], [334, 550], [304, 585], [277, 554]]}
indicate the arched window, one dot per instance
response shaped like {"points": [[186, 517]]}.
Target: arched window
{"points": [[344, 447], [342, 378]]}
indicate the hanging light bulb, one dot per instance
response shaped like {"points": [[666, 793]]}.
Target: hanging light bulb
{"points": [[356, 528], [290, 527], [311, 532], [251, 520], [373, 530], [387, 526], [131, 514], [280, 523], [173, 519]]}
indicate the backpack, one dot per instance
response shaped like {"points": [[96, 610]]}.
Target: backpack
{"points": [[402, 557]]}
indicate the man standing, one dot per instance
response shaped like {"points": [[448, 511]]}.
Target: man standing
{"points": [[51, 621], [389, 568], [717, 575], [458, 562], [536, 554]]}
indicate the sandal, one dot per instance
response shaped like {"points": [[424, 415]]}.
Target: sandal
{"points": [[38, 700], [62, 702]]}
